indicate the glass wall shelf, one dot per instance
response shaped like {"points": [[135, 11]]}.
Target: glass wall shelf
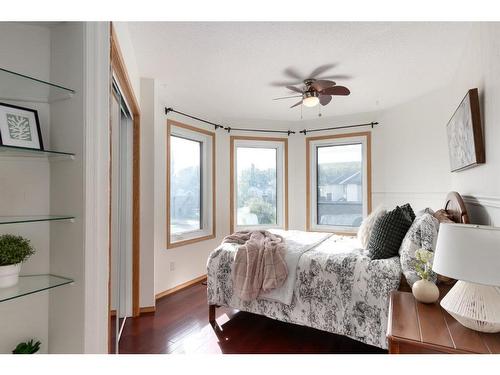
{"points": [[33, 218], [20, 87], [32, 284], [23, 152]]}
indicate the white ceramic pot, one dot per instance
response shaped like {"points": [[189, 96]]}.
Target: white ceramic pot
{"points": [[9, 275], [425, 291]]}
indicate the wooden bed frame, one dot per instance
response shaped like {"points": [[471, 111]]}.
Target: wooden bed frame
{"points": [[454, 207]]}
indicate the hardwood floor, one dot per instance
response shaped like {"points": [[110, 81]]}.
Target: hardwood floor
{"points": [[180, 325]]}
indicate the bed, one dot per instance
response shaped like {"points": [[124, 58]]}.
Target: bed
{"points": [[337, 287]]}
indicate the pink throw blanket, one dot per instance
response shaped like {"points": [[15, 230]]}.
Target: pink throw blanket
{"points": [[259, 263]]}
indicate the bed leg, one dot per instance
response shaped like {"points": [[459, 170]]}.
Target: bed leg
{"points": [[211, 314]]}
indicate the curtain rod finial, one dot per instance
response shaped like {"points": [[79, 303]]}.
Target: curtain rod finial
{"points": [[167, 110]]}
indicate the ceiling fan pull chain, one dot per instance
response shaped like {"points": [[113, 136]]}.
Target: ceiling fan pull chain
{"points": [[301, 107]]}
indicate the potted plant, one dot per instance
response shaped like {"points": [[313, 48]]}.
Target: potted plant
{"points": [[28, 347], [13, 251], [424, 290]]}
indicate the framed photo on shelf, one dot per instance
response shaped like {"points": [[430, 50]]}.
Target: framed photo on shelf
{"points": [[20, 127]]}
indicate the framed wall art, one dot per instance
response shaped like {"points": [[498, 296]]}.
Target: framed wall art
{"points": [[465, 135], [20, 127]]}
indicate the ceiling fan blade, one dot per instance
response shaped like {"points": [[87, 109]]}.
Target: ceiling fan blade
{"points": [[336, 76], [322, 84], [288, 97], [296, 104], [282, 84], [291, 72], [293, 88], [321, 69], [325, 99], [336, 90]]}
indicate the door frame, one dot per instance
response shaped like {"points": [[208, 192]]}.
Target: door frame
{"points": [[119, 70]]}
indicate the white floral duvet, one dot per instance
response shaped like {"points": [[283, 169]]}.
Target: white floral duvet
{"points": [[338, 289]]}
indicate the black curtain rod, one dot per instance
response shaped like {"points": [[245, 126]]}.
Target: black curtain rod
{"points": [[167, 110], [288, 132], [228, 128], [305, 131]]}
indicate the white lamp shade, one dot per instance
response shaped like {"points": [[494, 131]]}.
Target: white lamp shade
{"points": [[468, 252]]}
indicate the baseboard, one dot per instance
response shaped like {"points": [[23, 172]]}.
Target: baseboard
{"points": [[147, 309], [180, 287]]}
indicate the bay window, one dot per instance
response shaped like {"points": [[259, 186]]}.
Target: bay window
{"points": [[338, 182], [258, 183], [190, 184]]}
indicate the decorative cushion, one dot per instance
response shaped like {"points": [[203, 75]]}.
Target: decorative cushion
{"points": [[387, 234], [408, 211], [421, 235], [366, 227]]}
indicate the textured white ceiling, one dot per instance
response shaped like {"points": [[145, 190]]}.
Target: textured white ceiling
{"points": [[224, 70]]}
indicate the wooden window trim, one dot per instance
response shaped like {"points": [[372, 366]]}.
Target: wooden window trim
{"points": [[172, 245], [231, 167], [308, 171]]}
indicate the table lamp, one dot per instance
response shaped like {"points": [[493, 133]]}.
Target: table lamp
{"points": [[471, 254]]}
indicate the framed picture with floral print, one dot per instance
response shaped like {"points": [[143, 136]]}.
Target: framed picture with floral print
{"points": [[19, 127]]}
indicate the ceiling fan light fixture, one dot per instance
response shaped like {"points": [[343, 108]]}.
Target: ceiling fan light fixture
{"points": [[311, 101]]}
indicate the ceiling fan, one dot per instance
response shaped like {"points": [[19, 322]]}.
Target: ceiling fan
{"points": [[315, 90]]}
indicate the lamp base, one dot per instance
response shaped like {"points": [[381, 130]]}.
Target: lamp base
{"points": [[474, 306]]}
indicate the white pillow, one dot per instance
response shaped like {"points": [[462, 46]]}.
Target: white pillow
{"points": [[366, 227], [426, 210], [421, 235]]}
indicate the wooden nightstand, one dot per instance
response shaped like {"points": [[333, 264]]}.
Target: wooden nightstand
{"points": [[418, 328]]}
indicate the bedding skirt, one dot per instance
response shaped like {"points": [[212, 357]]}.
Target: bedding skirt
{"points": [[338, 289]]}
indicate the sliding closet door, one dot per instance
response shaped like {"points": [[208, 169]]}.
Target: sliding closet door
{"points": [[114, 290], [121, 217], [125, 216]]}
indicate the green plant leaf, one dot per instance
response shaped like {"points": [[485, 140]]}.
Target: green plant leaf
{"points": [[14, 249]]}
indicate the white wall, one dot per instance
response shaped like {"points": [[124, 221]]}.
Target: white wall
{"points": [[25, 188], [481, 68], [415, 150]]}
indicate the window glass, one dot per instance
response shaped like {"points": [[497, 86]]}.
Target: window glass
{"points": [[185, 185], [256, 186], [339, 185]]}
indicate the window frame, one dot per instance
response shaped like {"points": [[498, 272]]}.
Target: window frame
{"points": [[208, 183], [281, 146], [312, 144]]}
